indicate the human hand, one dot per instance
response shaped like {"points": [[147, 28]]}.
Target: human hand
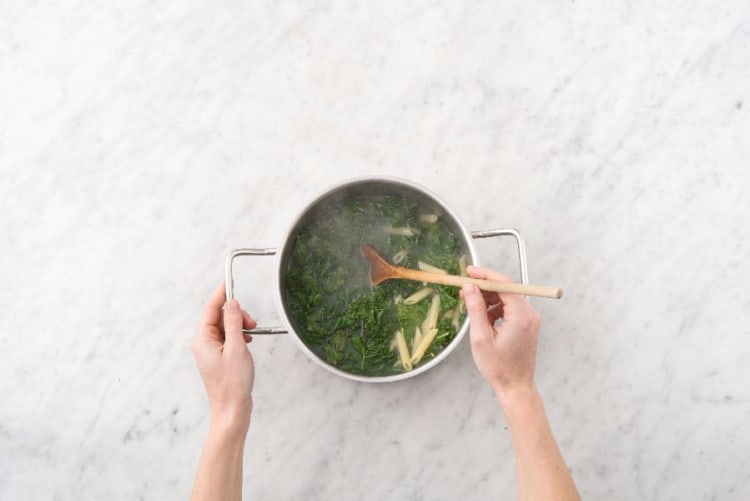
{"points": [[225, 363], [505, 354]]}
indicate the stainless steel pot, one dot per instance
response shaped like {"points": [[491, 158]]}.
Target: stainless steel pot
{"points": [[368, 185]]}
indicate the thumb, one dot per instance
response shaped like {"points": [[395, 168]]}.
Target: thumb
{"points": [[233, 324], [477, 309]]}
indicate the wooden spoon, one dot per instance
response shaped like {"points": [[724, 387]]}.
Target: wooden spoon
{"points": [[381, 269]]}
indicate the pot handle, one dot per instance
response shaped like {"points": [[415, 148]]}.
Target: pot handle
{"points": [[229, 281], [519, 240]]}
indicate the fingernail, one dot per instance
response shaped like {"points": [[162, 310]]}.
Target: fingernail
{"points": [[233, 305]]}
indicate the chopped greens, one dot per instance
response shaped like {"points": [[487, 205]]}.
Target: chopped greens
{"points": [[331, 304]]}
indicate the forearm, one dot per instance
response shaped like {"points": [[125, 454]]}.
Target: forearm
{"points": [[541, 470], [219, 474]]}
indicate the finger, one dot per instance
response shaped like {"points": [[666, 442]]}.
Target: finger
{"points": [[210, 329], [494, 313], [247, 321], [481, 329], [486, 273], [212, 311], [233, 326], [491, 298]]}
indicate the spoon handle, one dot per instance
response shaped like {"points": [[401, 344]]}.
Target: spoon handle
{"points": [[486, 285]]}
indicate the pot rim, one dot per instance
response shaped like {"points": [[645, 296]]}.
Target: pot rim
{"points": [[467, 238]]}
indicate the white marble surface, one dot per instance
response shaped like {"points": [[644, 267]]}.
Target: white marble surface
{"points": [[141, 140]]}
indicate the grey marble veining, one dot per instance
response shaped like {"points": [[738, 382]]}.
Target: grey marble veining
{"points": [[140, 141]]}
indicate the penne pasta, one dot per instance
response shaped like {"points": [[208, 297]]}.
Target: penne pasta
{"points": [[423, 346], [417, 339], [428, 218], [419, 295], [399, 257], [432, 269], [398, 299], [463, 262], [404, 231], [448, 314], [431, 320], [403, 351], [456, 320]]}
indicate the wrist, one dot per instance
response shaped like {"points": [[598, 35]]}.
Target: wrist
{"points": [[230, 423], [227, 437], [224, 446], [513, 396]]}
